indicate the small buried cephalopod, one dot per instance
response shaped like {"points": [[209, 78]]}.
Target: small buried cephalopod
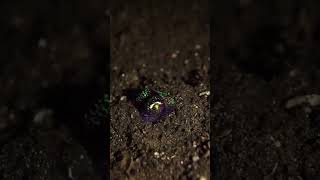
{"points": [[153, 105]]}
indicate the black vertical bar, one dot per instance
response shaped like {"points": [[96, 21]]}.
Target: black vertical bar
{"points": [[108, 92]]}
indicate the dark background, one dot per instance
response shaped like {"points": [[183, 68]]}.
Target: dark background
{"points": [[53, 57], [265, 53]]}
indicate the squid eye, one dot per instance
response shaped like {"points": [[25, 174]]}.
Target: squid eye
{"points": [[156, 106]]}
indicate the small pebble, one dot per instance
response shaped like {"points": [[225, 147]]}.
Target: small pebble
{"points": [[81, 156], [12, 116], [277, 144], [203, 178], [123, 98], [195, 158], [194, 144], [173, 55], [42, 43], [293, 72], [196, 54], [274, 168], [156, 154], [135, 78], [197, 46], [115, 68], [207, 154], [205, 93], [42, 115], [70, 173], [311, 99]]}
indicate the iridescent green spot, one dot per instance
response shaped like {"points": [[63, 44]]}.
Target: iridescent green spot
{"points": [[172, 101], [105, 103], [144, 94], [163, 94]]}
